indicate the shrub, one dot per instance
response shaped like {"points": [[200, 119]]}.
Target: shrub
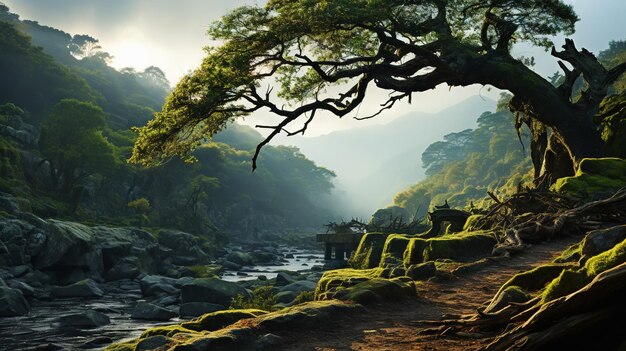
{"points": [[263, 298]]}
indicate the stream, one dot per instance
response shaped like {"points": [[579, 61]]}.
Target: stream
{"points": [[40, 330]]}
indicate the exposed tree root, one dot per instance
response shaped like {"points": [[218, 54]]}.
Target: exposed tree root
{"points": [[589, 317]]}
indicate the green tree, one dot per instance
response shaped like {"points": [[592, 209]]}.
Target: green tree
{"points": [[72, 141], [326, 55]]}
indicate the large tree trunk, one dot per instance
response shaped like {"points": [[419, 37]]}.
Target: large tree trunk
{"points": [[574, 134]]}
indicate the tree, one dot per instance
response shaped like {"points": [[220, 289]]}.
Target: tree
{"points": [[314, 49], [72, 140]]}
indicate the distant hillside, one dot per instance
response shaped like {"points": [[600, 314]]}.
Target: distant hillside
{"points": [[374, 163]]}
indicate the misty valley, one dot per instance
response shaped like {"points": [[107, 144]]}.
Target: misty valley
{"points": [[329, 175]]}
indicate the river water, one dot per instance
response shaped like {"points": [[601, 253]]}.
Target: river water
{"points": [[39, 330]]}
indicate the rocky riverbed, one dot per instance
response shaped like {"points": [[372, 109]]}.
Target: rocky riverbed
{"points": [[65, 285]]}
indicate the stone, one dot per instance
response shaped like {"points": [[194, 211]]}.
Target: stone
{"points": [[212, 290], [196, 309], [12, 302], [26, 289], [153, 342], [84, 320], [97, 343], [160, 289], [185, 247], [148, 311], [83, 288], [283, 279], [601, 240], [124, 269], [421, 271], [231, 265], [240, 258], [286, 297], [299, 286]]}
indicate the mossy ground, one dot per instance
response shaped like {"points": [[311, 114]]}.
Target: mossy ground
{"points": [[595, 177]]}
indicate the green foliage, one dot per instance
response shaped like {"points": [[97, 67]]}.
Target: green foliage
{"points": [[72, 140], [263, 298], [270, 41], [220, 319], [304, 296], [472, 163], [141, 205]]}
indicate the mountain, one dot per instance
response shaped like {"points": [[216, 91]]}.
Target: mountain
{"points": [[375, 162]]}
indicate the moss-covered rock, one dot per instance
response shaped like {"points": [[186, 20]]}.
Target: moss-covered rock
{"points": [[393, 251], [363, 286], [220, 319], [510, 294], [460, 246], [369, 251], [572, 280], [414, 253], [595, 177]]}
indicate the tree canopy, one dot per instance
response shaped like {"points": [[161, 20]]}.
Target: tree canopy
{"points": [[313, 49]]}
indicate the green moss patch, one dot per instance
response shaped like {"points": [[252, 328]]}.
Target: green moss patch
{"points": [[220, 319], [393, 251], [459, 246], [369, 251], [595, 177], [570, 281]]}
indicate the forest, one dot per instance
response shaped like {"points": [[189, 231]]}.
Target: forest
{"points": [[139, 213]]}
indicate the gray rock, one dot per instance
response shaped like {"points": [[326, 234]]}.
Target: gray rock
{"points": [[84, 320], [240, 258], [231, 265], [125, 269], [84, 288], [283, 279], [12, 302], [148, 311], [160, 289], [19, 271], [422, 271], [286, 297], [196, 309], [212, 290], [153, 342], [299, 286], [601, 240], [26, 289], [167, 301], [185, 247], [97, 343]]}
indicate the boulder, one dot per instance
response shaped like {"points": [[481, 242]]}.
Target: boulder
{"points": [[286, 297], [148, 311], [283, 279], [12, 302], [185, 247], [152, 343], [196, 309], [231, 265], [240, 258], [601, 240], [212, 290], [421, 271], [124, 269], [84, 288], [152, 285], [299, 286], [84, 320], [26, 289]]}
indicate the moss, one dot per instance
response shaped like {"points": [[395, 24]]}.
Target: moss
{"points": [[166, 330], [393, 251], [571, 254], [572, 280], [205, 271], [343, 278], [446, 265], [220, 319], [459, 246], [471, 222], [511, 294], [124, 346], [369, 251], [376, 290], [536, 278], [594, 178], [565, 284], [414, 253]]}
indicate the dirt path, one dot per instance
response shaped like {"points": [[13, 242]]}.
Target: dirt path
{"points": [[392, 327]]}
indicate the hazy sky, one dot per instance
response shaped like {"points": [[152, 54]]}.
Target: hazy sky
{"points": [[171, 34]]}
